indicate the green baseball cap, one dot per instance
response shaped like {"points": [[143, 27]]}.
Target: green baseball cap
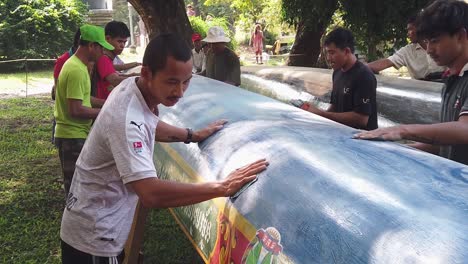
{"points": [[95, 34]]}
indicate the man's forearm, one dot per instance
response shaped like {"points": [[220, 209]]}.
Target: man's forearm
{"points": [[169, 133], [164, 194], [125, 66], [86, 113], [126, 75], [96, 102], [115, 79], [351, 119], [448, 133], [379, 65]]}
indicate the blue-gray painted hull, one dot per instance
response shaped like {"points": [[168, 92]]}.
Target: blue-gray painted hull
{"points": [[399, 100], [330, 198]]}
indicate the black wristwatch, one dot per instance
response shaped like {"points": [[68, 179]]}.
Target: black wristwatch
{"points": [[189, 136]]}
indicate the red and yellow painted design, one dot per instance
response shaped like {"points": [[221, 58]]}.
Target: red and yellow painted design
{"points": [[234, 233]]}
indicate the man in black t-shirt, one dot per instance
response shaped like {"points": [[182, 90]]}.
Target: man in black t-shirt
{"points": [[353, 99]]}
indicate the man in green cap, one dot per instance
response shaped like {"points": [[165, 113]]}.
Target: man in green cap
{"points": [[75, 109]]}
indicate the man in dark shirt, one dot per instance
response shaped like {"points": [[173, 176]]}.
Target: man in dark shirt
{"points": [[353, 98], [222, 64], [443, 25]]}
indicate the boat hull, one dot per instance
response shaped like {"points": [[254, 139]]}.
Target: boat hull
{"points": [[325, 198]]}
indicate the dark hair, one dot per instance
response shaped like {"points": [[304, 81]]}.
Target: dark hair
{"points": [[164, 46], [84, 42], [447, 16], [76, 40], [117, 29], [412, 19], [342, 38]]}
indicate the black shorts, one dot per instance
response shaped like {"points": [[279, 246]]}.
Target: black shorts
{"points": [[71, 255]]}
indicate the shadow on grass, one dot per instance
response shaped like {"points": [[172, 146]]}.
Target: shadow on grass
{"points": [[165, 242]]}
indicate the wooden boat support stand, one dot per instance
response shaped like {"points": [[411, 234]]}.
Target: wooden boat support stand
{"points": [[325, 198]]}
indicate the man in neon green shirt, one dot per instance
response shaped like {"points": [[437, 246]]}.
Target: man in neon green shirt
{"points": [[74, 107]]}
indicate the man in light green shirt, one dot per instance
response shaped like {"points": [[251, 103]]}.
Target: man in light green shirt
{"points": [[74, 107]]}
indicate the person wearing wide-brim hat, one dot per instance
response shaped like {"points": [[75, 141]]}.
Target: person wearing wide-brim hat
{"points": [[222, 64]]}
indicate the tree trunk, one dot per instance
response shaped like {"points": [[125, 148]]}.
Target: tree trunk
{"points": [[307, 45], [372, 51], [162, 16], [306, 48], [197, 8], [372, 29]]}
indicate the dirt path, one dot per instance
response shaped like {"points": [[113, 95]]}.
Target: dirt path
{"points": [[34, 87]]}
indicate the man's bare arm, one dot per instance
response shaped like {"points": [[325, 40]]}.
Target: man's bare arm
{"points": [[170, 133], [76, 109], [115, 79], [448, 133], [352, 119], [379, 65], [126, 66], [96, 102], [155, 193]]}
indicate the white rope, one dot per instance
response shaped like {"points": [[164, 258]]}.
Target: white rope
{"points": [[282, 55], [7, 61]]}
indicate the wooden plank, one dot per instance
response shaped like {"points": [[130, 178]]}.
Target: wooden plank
{"points": [[135, 238]]}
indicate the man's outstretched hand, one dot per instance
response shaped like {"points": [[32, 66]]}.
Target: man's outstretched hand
{"points": [[241, 176], [388, 134], [206, 132]]}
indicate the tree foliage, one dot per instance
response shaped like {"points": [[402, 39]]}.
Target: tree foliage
{"points": [[201, 27], [38, 28], [379, 22], [375, 23], [216, 8], [242, 15], [311, 17]]}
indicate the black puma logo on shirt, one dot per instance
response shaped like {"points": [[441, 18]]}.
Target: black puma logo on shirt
{"points": [[135, 124]]}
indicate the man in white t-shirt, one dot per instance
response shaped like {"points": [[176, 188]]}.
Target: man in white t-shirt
{"points": [[414, 56], [116, 167]]}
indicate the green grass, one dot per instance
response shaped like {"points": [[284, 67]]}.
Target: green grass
{"points": [[165, 242], [31, 195], [30, 191]]}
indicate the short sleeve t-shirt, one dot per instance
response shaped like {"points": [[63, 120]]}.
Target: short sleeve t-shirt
{"points": [[455, 105], [59, 63], [355, 90], [118, 61], [119, 150], [73, 83], [416, 59], [223, 67], [198, 60], [104, 67]]}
